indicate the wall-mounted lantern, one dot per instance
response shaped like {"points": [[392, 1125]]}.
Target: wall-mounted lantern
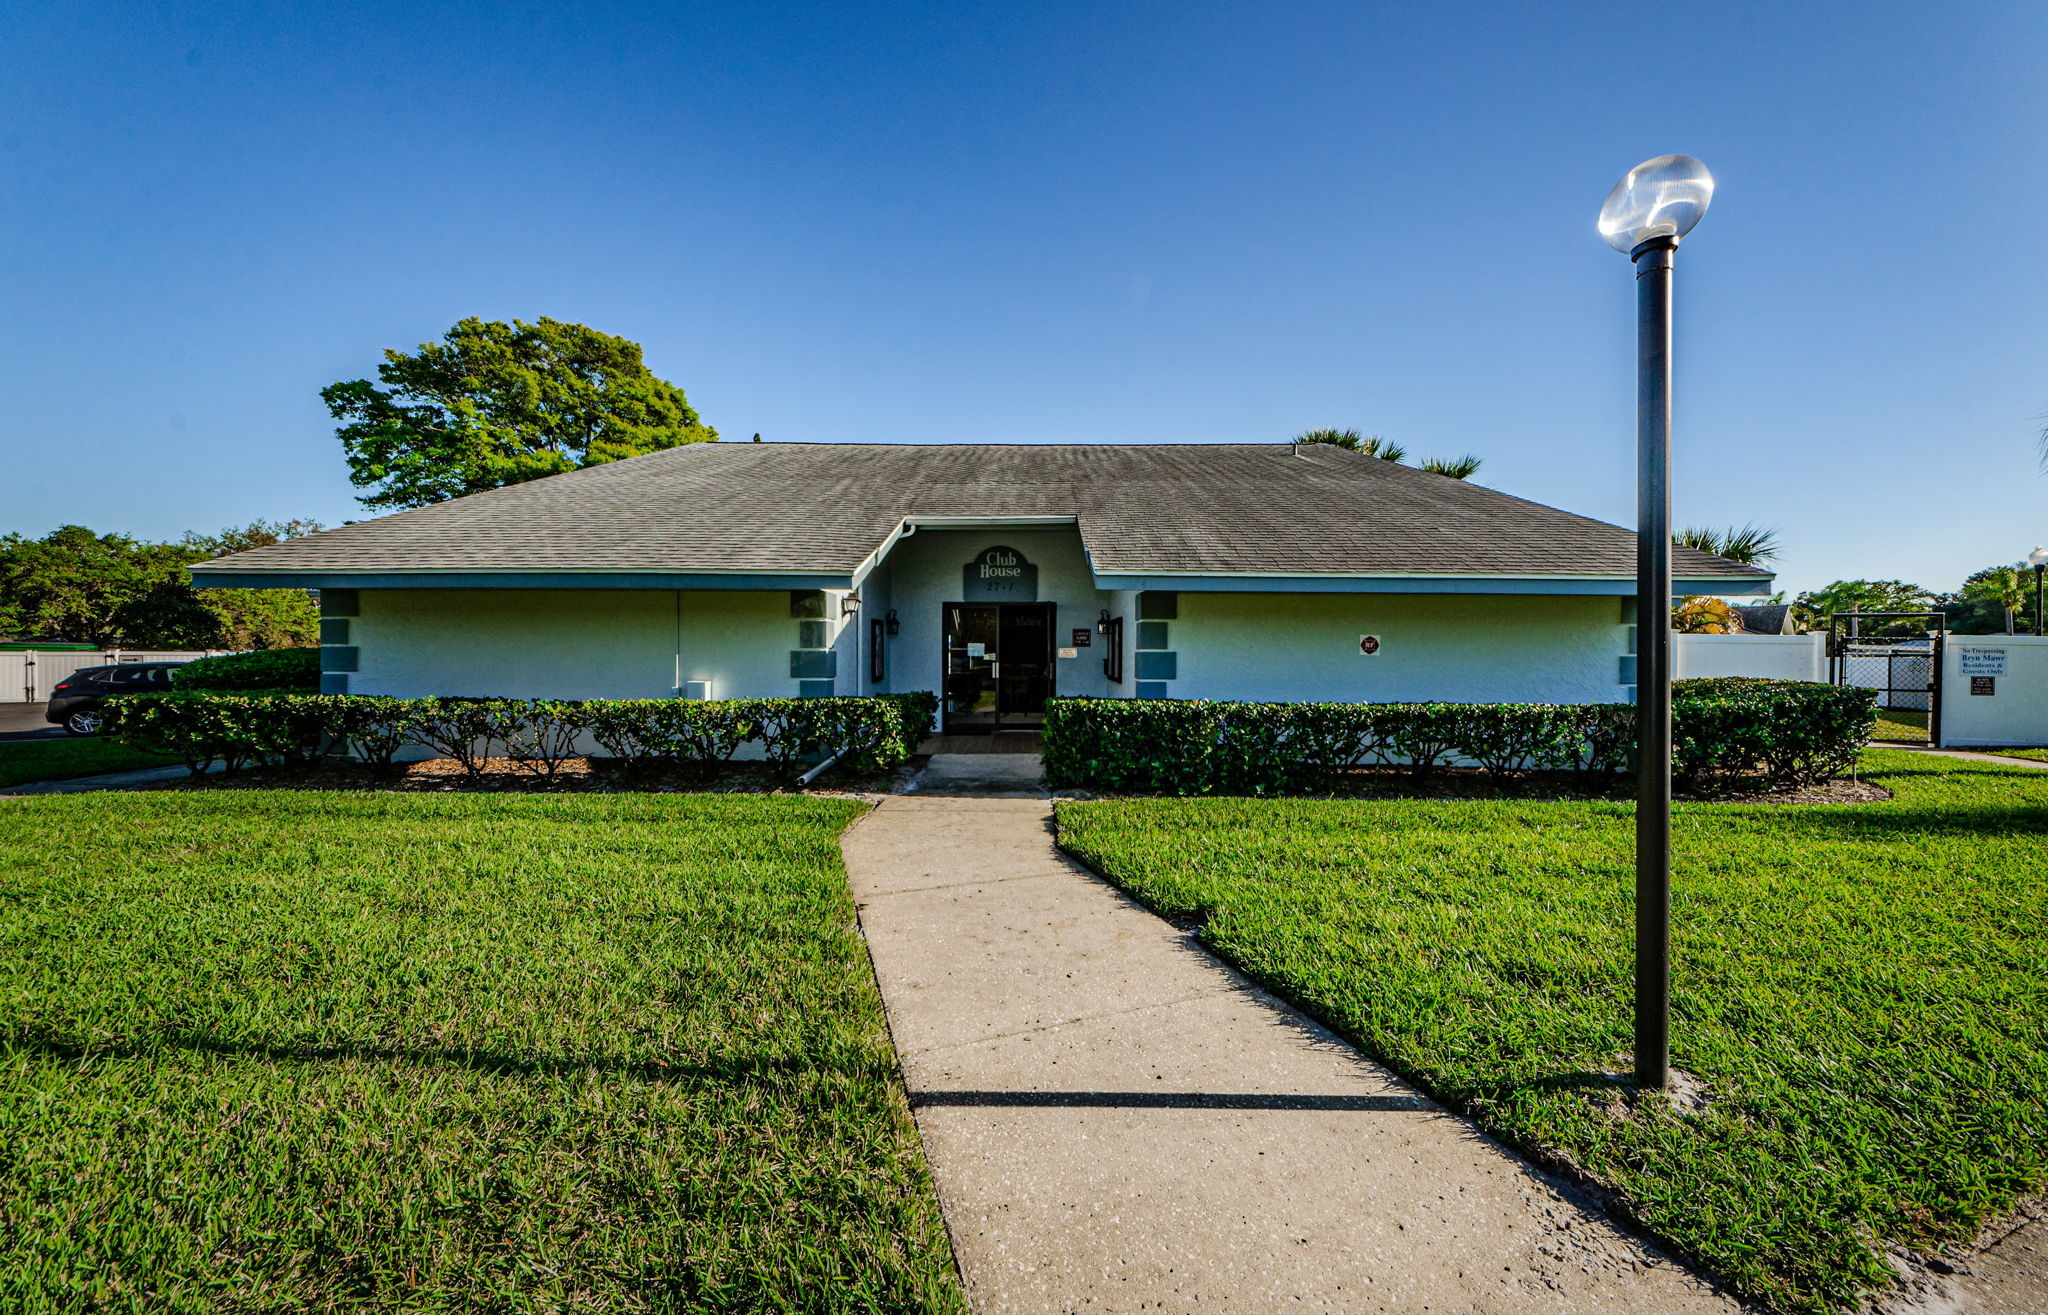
{"points": [[1102, 622], [849, 605], [893, 624]]}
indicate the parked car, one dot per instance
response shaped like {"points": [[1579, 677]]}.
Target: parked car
{"points": [[75, 700]]}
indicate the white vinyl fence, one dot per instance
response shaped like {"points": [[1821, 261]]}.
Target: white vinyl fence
{"points": [[1774, 657], [29, 677]]}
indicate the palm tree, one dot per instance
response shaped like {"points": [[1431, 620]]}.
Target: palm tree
{"points": [[1751, 545], [1464, 467], [1371, 445], [2001, 586]]}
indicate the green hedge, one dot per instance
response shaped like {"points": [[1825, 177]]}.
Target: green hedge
{"points": [[293, 669], [1784, 732], [239, 730]]}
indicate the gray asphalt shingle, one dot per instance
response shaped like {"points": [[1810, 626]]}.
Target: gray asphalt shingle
{"points": [[1149, 509]]}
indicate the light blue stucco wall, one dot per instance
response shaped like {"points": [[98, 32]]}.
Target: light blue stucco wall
{"points": [[1465, 648], [572, 644], [543, 643], [923, 573]]}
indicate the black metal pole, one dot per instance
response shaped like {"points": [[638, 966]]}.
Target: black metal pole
{"points": [[1653, 662], [2039, 629]]}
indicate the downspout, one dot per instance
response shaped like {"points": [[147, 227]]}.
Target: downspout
{"points": [[819, 770]]}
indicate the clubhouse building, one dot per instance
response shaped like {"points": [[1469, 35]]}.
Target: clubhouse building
{"points": [[998, 576]]}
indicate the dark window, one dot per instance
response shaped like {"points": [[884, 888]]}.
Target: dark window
{"points": [[878, 634]]}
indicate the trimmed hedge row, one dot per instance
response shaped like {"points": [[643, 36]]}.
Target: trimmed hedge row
{"points": [[1785, 732], [540, 735], [281, 669]]}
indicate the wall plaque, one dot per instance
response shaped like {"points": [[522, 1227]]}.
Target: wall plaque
{"points": [[1982, 661], [1984, 685], [1368, 645], [999, 575], [1083, 638]]}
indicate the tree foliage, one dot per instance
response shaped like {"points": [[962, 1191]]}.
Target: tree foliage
{"points": [[493, 404], [1814, 607], [1375, 445], [1751, 545], [1995, 599], [1703, 614], [120, 592]]}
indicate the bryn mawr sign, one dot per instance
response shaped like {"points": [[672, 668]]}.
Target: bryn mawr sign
{"points": [[999, 575]]}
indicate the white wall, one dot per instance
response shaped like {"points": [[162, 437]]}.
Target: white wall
{"points": [[1773, 657], [28, 677], [2016, 714], [572, 644], [1465, 648]]}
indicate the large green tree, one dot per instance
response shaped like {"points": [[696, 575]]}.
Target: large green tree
{"points": [[494, 404], [1814, 607], [1991, 600], [120, 592]]}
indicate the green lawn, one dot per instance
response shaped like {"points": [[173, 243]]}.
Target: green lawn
{"points": [[1863, 987], [1901, 724], [297, 1051], [58, 760]]}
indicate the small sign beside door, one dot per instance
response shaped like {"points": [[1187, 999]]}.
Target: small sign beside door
{"points": [[1983, 684], [1368, 644], [1070, 652], [1083, 637]]}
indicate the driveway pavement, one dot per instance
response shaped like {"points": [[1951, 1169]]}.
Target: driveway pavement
{"points": [[1117, 1122], [24, 721]]}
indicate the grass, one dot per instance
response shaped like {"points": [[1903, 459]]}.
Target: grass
{"points": [[295, 1051], [1904, 724], [1862, 987], [58, 760]]}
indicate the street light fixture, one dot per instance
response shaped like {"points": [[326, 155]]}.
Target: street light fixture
{"points": [[2038, 559], [1653, 206]]}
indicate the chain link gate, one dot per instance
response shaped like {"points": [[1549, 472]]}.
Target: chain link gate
{"points": [[1898, 654]]}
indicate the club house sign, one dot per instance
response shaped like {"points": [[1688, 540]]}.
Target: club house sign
{"points": [[999, 575]]}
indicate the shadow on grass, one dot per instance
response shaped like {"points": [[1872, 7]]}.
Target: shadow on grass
{"points": [[734, 1072]]}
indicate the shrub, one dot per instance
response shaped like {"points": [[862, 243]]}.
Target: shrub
{"points": [[696, 732], [294, 669], [235, 730], [466, 729], [1723, 730], [238, 729]]}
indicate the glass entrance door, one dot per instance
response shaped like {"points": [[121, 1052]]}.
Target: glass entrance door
{"points": [[998, 665]]}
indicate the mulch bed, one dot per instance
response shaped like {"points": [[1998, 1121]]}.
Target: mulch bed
{"points": [[509, 776]]}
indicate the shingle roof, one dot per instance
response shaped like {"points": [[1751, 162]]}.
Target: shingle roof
{"points": [[1149, 509]]}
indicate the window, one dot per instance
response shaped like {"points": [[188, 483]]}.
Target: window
{"points": [[878, 666]]}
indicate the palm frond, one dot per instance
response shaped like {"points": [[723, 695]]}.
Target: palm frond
{"points": [[1751, 545], [1464, 467]]}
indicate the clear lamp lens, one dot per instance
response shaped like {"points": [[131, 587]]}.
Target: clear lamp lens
{"points": [[2038, 557], [1663, 197]]}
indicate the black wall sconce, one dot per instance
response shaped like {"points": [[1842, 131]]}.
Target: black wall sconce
{"points": [[893, 624], [1102, 622]]}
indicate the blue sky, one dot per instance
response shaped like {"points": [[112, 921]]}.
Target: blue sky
{"points": [[1049, 222]]}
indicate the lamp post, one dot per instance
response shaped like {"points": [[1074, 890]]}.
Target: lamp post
{"points": [[2038, 559], [1653, 206]]}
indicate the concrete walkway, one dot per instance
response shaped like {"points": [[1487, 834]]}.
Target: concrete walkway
{"points": [[1119, 1123]]}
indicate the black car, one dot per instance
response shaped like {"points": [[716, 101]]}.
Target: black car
{"points": [[75, 701]]}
